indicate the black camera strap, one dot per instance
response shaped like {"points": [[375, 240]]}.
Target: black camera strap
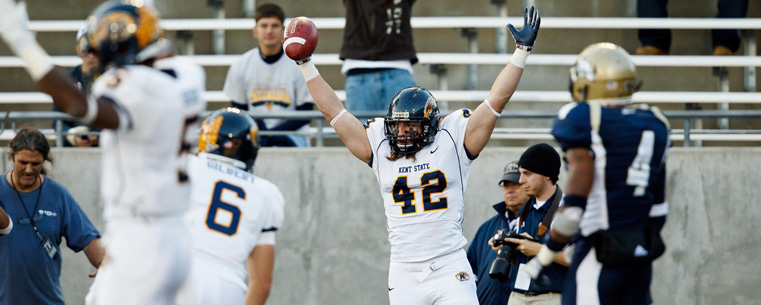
{"points": [[547, 220]]}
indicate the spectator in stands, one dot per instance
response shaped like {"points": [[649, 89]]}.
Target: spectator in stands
{"points": [[378, 52], [84, 76], [539, 168], [45, 213], [491, 291], [265, 81], [658, 41]]}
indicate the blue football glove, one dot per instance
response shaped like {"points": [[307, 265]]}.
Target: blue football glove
{"points": [[524, 39]]}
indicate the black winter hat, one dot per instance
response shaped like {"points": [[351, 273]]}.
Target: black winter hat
{"points": [[541, 159]]}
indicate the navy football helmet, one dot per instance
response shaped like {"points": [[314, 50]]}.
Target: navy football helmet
{"points": [[412, 120], [230, 133], [125, 33]]}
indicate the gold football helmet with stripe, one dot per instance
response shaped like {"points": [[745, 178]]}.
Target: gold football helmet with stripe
{"points": [[604, 72]]}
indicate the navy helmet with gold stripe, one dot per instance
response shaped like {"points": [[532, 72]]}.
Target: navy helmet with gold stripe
{"points": [[126, 32], [230, 133], [412, 120]]}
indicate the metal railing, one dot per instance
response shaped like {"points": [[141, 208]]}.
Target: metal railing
{"points": [[650, 97], [8, 124], [210, 24]]}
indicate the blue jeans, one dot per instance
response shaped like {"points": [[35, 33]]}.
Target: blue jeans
{"points": [[374, 91]]}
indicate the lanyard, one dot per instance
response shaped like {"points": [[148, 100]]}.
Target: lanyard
{"points": [[23, 205]]}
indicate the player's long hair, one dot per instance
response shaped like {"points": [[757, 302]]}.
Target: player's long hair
{"points": [[396, 156], [29, 138]]}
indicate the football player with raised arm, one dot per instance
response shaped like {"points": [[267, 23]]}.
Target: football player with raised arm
{"points": [[233, 215], [615, 198], [144, 107], [421, 160]]}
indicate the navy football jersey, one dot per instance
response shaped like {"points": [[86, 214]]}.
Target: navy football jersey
{"points": [[629, 146]]}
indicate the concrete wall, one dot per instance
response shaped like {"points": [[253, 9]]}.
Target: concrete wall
{"points": [[333, 247]]}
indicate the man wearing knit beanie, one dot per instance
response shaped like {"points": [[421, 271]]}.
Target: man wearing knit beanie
{"points": [[544, 160], [539, 169]]}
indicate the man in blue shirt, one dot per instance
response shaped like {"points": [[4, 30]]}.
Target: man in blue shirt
{"points": [[491, 291], [44, 213], [539, 168]]}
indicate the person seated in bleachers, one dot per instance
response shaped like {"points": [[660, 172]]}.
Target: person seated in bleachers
{"points": [[84, 75], [265, 81], [658, 41]]}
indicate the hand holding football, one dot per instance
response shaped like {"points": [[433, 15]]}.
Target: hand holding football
{"points": [[300, 38]]}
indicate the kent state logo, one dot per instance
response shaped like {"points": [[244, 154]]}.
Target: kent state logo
{"points": [[462, 276]]}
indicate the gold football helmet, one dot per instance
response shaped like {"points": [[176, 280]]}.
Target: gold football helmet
{"points": [[604, 71]]}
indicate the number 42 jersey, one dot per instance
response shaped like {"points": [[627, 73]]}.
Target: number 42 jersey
{"points": [[629, 146], [232, 211], [424, 197]]}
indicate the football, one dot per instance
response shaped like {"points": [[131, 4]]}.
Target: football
{"points": [[300, 38]]}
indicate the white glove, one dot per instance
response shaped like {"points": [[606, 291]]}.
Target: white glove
{"points": [[14, 25], [14, 28], [533, 268]]}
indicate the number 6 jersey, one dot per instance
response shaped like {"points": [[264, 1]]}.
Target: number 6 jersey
{"points": [[424, 197], [232, 211], [629, 146]]}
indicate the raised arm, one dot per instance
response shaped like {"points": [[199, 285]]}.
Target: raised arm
{"points": [[66, 95], [484, 118], [346, 125]]}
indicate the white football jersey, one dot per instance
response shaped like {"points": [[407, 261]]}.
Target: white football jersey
{"points": [[192, 81], [143, 159], [424, 198], [231, 212]]}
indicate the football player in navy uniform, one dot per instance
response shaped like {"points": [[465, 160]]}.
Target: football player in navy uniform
{"points": [[422, 160], [615, 197]]}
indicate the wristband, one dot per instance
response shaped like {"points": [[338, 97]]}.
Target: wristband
{"points": [[338, 116], [36, 61], [545, 256], [9, 228], [553, 244], [496, 114], [92, 111], [575, 201], [308, 70], [519, 58]]}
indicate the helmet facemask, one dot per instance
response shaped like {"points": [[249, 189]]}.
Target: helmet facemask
{"points": [[408, 136], [411, 121]]}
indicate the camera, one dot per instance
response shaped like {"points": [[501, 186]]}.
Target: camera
{"points": [[500, 267]]}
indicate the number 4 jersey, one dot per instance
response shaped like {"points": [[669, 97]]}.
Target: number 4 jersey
{"points": [[629, 146], [424, 197], [232, 211]]}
